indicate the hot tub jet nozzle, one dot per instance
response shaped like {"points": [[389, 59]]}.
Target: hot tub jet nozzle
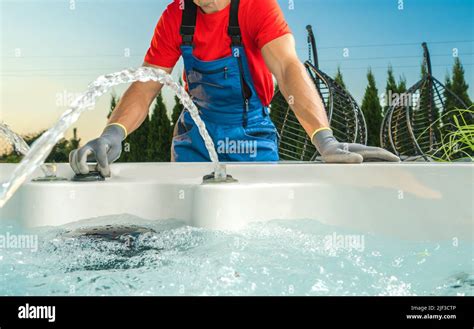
{"points": [[94, 175], [50, 170], [219, 176]]}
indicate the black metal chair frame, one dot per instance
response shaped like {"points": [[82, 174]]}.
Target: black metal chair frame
{"points": [[401, 131]]}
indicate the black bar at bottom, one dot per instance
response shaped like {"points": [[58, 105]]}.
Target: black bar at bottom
{"points": [[325, 312]]}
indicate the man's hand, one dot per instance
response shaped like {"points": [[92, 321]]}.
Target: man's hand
{"points": [[105, 150], [333, 151], [281, 58], [131, 112]]}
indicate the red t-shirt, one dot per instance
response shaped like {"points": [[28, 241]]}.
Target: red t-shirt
{"points": [[261, 21]]}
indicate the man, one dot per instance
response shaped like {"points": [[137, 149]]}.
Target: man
{"points": [[230, 50]]}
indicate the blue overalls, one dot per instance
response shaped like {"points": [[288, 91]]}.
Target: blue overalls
{"points": [[225, 95]]}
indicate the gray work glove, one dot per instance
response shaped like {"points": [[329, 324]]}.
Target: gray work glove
{"points": [[105, 150], [333, 151]]}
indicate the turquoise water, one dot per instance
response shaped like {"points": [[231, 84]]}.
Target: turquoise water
{"points": [[275, 258]]}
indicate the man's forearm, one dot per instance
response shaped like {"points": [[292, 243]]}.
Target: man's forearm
{"points": [[133, 108], [301, 94]]}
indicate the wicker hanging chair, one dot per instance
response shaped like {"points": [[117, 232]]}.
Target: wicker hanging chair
{"points": [[412, 127]]}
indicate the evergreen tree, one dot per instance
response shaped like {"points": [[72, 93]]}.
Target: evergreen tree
{"points": [[114, 100], [372, 110], [126, 156], [60, 152], [390, 89], [75, 141], [449, 102], [339, 78], [135, 145], [177, 109], [402, 85], [160, 133], [459, 86], [113, 104]]}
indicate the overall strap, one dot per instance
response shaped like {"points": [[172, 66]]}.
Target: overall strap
{"points": [[188, 25], [234, 27]]}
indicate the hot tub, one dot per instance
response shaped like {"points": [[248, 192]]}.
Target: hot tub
{"points": [[411, 201]]}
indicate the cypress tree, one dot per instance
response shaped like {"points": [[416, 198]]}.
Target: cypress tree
{"points": [[175, 114], [177, 109], [390, 89], [113, 104], [449, 102], [372, 110], [160, 132], [125, 157], [75, 141], [339, 78], [402, 85], [135, 146], [459, 86]]}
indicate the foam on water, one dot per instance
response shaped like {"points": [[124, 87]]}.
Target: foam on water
{"points": [[275, 258]]}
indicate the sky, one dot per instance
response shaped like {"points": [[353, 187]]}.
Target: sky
{"points": [[51, 49]]}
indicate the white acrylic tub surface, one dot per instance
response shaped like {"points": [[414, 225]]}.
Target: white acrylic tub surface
{"points": [[413, 201]]}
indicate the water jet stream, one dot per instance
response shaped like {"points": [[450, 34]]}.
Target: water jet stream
{"points": [[41, 148]]}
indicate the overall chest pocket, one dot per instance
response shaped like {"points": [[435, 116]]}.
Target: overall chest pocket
{"points": [[215, 87], [214, 78]]}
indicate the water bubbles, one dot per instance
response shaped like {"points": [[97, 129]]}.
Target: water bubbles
{"points": [[319, 286], [169, 258], [397, 262], [395, 287]]}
